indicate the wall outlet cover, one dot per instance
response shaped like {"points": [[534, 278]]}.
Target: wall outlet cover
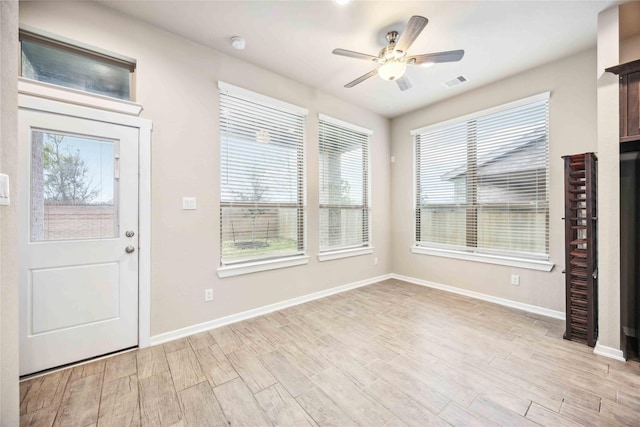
{"points": [[188, 203]]}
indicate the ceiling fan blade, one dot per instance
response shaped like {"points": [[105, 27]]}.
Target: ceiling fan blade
{"points": [[434, 58], [361, 78], [410, 34], [352, 54], [404, 83]]}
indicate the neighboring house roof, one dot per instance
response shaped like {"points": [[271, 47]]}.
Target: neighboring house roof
{"points": [[526, 154]]}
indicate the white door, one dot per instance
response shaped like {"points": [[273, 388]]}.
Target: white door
{"points": [[78, 239]]}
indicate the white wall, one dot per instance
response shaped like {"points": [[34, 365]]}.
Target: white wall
{"points": [[176, 84], [629, 30], [609, 331], [630, 48], [572, 111], [8, 215]]}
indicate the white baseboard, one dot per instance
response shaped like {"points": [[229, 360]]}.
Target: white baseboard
{"points": [[490, 298], [216, 323], [610, 352]]}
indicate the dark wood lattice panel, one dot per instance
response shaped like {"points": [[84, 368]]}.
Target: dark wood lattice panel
{"points": [[580, 248]]}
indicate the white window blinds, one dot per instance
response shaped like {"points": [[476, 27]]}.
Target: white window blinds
{"points": [[482, 181], [344, 185], [261, 177]]}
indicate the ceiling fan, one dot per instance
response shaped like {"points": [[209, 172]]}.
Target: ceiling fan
{"points": [[393, 60]]}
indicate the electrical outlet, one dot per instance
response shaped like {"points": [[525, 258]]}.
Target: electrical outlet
{"points": [[515, 280], [208, 295], [375, 261]]}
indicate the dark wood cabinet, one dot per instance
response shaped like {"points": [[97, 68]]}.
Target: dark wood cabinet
{"points": [[629, 74]]}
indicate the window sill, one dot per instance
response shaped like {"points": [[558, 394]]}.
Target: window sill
{"points": [[344, 253], [489, 259], [256, 266]]}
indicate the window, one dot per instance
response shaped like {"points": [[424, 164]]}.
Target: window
{"points": [[482, 182], [261, 177], [344, 185], [73, 184], [65, 63]]}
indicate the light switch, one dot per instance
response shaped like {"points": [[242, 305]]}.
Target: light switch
{"points": [[188, 203], [4, 189]]}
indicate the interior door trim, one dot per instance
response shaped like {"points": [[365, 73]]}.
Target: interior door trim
{"points": [[144, 126]]}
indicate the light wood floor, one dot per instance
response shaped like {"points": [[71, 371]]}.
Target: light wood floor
{"points": [[387, 354]]}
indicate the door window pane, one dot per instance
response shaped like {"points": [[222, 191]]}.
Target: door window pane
{"points": [[73, 187]]}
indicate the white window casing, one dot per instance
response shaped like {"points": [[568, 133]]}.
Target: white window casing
{"points": [[482, 185], [344, 189], [262, 199]]}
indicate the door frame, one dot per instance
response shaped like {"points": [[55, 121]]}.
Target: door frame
{"points": [[48, 98]]}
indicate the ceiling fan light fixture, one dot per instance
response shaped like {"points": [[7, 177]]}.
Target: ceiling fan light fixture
{"points": [[392, 70]]}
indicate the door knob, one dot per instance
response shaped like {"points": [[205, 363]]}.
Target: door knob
{"points": [[129, 249], [129, 233]]}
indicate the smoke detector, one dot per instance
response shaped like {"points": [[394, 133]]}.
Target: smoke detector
{"points": [[238, 42]]}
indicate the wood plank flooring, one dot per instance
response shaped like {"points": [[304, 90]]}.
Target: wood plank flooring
{"points": [[388, 354]]}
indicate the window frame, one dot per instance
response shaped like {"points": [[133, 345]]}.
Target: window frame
{"points": [[500, 257], [251, 265], [357, 249]]}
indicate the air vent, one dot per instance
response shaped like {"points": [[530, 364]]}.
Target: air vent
{"points": [[455, 82]]}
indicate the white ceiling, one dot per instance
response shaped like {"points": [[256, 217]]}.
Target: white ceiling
{"points": [[295, 39]]}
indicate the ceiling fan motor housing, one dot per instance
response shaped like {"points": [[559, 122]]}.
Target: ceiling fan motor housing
{"points": [[392, 37]]}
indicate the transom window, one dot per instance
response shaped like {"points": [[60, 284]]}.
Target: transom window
{"points": [[53, 60], [344, 185], [482, 181], [261, 177]]}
